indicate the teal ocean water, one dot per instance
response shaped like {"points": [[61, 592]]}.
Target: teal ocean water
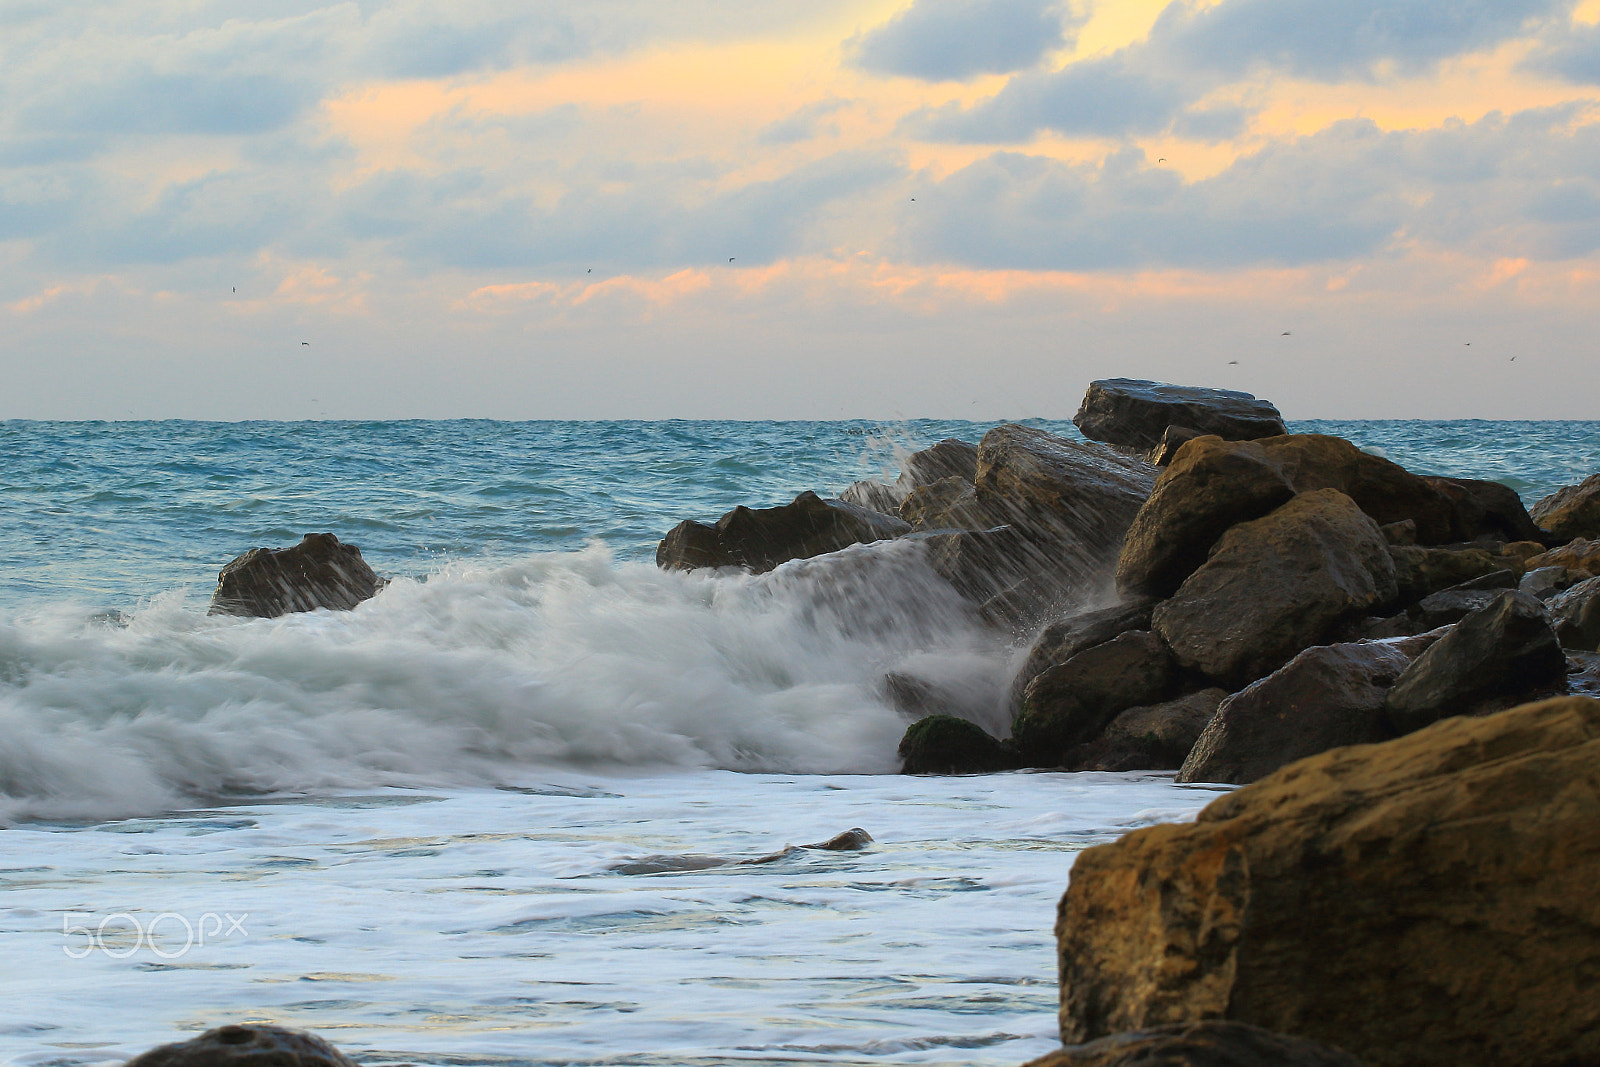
{"points": [[417, 827]]}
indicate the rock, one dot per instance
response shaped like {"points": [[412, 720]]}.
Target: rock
{"points": [[1546, 582], [1576, 613], [1210, 1043], [1425, 902], [948, 504], [852, 840], [1276, 585], [1325, 697], [1421, 571], [1214, 484], [1135, 413], [981, 564], [1066, 637], [1172, 439], [1072, 703], [1523, 550], [1403, 532], [1448, 606], [1486, 510], [1577, 555], [248, 1045], [319, 572], [1573, 511], [1061, 490], [874, 496], [944, 744], [949, 458], [1503, 650], [1156, 737], [758, 539]]}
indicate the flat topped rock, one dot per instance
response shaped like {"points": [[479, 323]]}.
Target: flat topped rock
{"points": [[759, 539], [1136, 413]]}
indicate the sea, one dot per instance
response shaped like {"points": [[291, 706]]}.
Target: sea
{"points": [[539, 801]]}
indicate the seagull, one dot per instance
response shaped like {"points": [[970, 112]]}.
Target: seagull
{"points": [[1163, 159], [1469, 344], [1513, 359], [730, 259], [589, 271], [305, 342], [236, 288], [1285, 333], [1233, 363]]}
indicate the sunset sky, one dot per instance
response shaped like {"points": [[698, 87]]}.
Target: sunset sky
{"points": [[796, 208]]}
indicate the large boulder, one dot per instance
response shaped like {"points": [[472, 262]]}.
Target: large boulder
{"points": [[1211, 1043], [1425, 902], [949, 458], [758, 539], [319, 572], [948, 504], [1503, 651], [1580, 555], [1276, 585], [1213, 484], [1065, 637], [1327, 696], [1576, 615], [1060, 489], [1071, 704], [1154, 737], [246, 1045], [1573, 511], [1136, 414], [945, 744], [1486, 511], [1419, 572], [874, 496]]}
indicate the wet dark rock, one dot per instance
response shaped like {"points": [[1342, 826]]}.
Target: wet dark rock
{"points": [[949, 458], [1449, 605], [319, 572], [247, 1045], [1066, 637], [1276, 585], [944, 744], [916, 697], [1072, 703], [1155, 737], [1327, 696], [1210, 1043], [1403, 532], [1572, 511], [1136, 413], [1059, 490], [852, 840], [874, 496], [1486, 510], [1214, 484], [1424, 902], [948, 504], [1576, 614], [1421, 571], [1504, 651], [1172, 439], [759, 539], [1546, 582]]}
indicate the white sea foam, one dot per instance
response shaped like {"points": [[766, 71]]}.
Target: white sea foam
{"points": [[479, 671]]}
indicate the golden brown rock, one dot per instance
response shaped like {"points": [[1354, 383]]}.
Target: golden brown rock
{"points": [[1576, 555], [1573, 511], [1425, 901]]}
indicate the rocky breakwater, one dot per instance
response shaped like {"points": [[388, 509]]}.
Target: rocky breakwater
{"points": [[1427, 900], [1156, 418]]}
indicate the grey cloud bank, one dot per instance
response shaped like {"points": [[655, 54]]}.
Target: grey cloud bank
{"points": [[939, 40]]}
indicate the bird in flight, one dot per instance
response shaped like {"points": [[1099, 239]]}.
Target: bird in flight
{"points": [[305, 342], [589, 271], [1163, 159], [1285, 333], [730, 259], [1233, 363]]}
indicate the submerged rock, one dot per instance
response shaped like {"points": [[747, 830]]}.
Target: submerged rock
{"points": [[1277, 585], [1572, 511], [247, 1045], [1212, 1043], [759, 539], [1137, 414], [319, 572], [1425, 902], [1503, 651]]}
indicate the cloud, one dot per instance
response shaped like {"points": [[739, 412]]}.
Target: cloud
{"points": [[1331, 41], [1520, 185], [952, 40], [1106, 96], [1572, 54], [802, 124]]}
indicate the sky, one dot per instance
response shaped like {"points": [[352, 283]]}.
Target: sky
{"points": [[796, 209]]}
